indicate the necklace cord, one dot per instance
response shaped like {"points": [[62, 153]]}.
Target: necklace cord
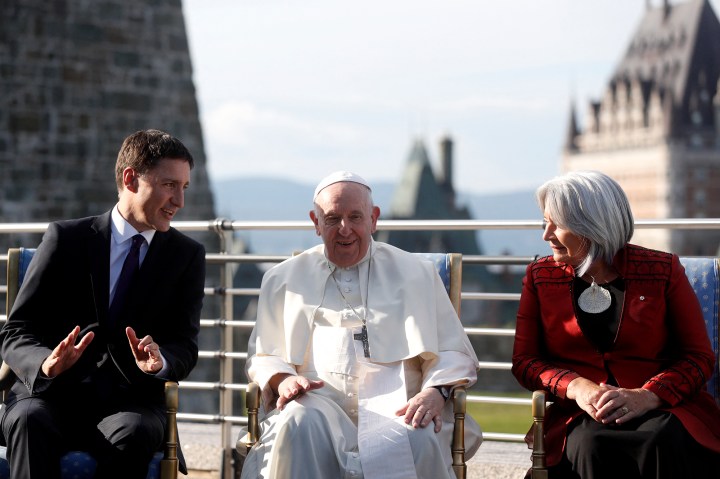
{"points": [[362, 318]]}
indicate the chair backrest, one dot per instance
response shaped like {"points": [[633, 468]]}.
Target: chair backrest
{"points": [[449, 267], [704, 277], [18, 261]]}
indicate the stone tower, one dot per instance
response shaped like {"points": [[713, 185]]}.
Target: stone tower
{"points": [[656, 129], [423, 194], [77, 77]]}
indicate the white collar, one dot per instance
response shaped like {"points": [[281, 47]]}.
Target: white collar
{"points": [[123, 231]]}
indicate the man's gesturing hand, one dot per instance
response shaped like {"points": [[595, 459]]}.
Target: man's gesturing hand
{"points": [[146, 352], [66, 354]]}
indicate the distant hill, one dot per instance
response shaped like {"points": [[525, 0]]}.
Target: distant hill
{"points": [[262, 198], [519, 205]]}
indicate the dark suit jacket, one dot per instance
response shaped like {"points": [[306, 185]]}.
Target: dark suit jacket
{"points": [[67, 284]]}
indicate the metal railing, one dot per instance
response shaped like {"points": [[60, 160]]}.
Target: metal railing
{"points": [[229, 352]]}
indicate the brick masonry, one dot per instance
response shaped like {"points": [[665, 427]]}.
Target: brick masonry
{"points": [[76, 77]]}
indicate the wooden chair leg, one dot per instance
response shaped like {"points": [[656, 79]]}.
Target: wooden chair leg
{"points": [[459, 398], [539, 467], [252, 398], [246, 442], [170, 462]]}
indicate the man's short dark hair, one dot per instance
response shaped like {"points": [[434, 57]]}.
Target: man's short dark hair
{"points": [[144, 149]]}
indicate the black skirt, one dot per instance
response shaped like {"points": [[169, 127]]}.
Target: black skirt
{"points": [[654, 446]]}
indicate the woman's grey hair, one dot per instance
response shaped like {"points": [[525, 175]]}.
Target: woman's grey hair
{"points": [[592, 205]]}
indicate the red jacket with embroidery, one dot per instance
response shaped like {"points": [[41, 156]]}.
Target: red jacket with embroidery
{"points": [[661, 343]]}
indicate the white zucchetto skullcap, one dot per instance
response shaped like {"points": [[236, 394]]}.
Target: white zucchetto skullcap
{"points": [[337, 177]]}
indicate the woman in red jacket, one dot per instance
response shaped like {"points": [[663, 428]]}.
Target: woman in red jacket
{"points": [[615, 334]]}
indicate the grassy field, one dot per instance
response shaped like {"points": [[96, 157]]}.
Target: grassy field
{"points": [[500, 417]]}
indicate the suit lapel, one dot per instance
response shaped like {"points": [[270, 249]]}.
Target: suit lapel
{"points": [[99, 261]]}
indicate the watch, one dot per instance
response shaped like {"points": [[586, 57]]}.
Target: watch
{"points": [[444, 390]]}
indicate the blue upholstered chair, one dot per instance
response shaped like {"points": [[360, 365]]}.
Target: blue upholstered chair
{"points": [[703, 274], [705, 280], [79, 464], [449, 267]]}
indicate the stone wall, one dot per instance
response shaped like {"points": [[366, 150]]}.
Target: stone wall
{"points": [[76, 77]]}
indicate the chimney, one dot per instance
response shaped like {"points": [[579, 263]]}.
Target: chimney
{"points": [[446, 160], [573, 131]]}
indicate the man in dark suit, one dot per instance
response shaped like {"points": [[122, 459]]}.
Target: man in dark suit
{"points": [[90, 349]]}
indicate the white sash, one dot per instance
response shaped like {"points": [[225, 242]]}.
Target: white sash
{"points": [[383, 441]]}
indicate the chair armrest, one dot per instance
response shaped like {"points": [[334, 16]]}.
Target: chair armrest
{"points": [[539, 467], [170, 463], [459, 399], [252, 399]]}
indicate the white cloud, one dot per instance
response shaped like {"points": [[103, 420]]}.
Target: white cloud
{"points": [[245, 139], [233, 123], [479, 103], [296, 89]]}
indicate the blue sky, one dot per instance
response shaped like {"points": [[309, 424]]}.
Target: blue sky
{"points": [[297, 89]]}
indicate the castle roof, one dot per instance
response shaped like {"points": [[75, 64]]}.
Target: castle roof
{"points": [[421, 195], [675, 51], [418, 194], [662, 47], [664, 86]]}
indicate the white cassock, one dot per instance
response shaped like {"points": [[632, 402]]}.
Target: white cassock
{"points": [[349, 427]]}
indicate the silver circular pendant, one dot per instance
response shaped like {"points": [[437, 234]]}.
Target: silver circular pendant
{"points": [[595, 299]]}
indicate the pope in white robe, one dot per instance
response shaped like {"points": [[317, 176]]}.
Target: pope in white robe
{"points": [[355, 346]]}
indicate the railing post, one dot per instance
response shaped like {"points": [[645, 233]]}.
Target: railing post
{"points": [[226, 341]]}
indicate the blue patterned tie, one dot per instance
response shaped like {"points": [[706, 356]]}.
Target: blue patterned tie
{"points": [[130, 267]]}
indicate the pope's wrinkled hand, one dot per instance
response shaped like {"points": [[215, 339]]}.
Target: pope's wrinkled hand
{"points": [[425, 407], [289, 387]]}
